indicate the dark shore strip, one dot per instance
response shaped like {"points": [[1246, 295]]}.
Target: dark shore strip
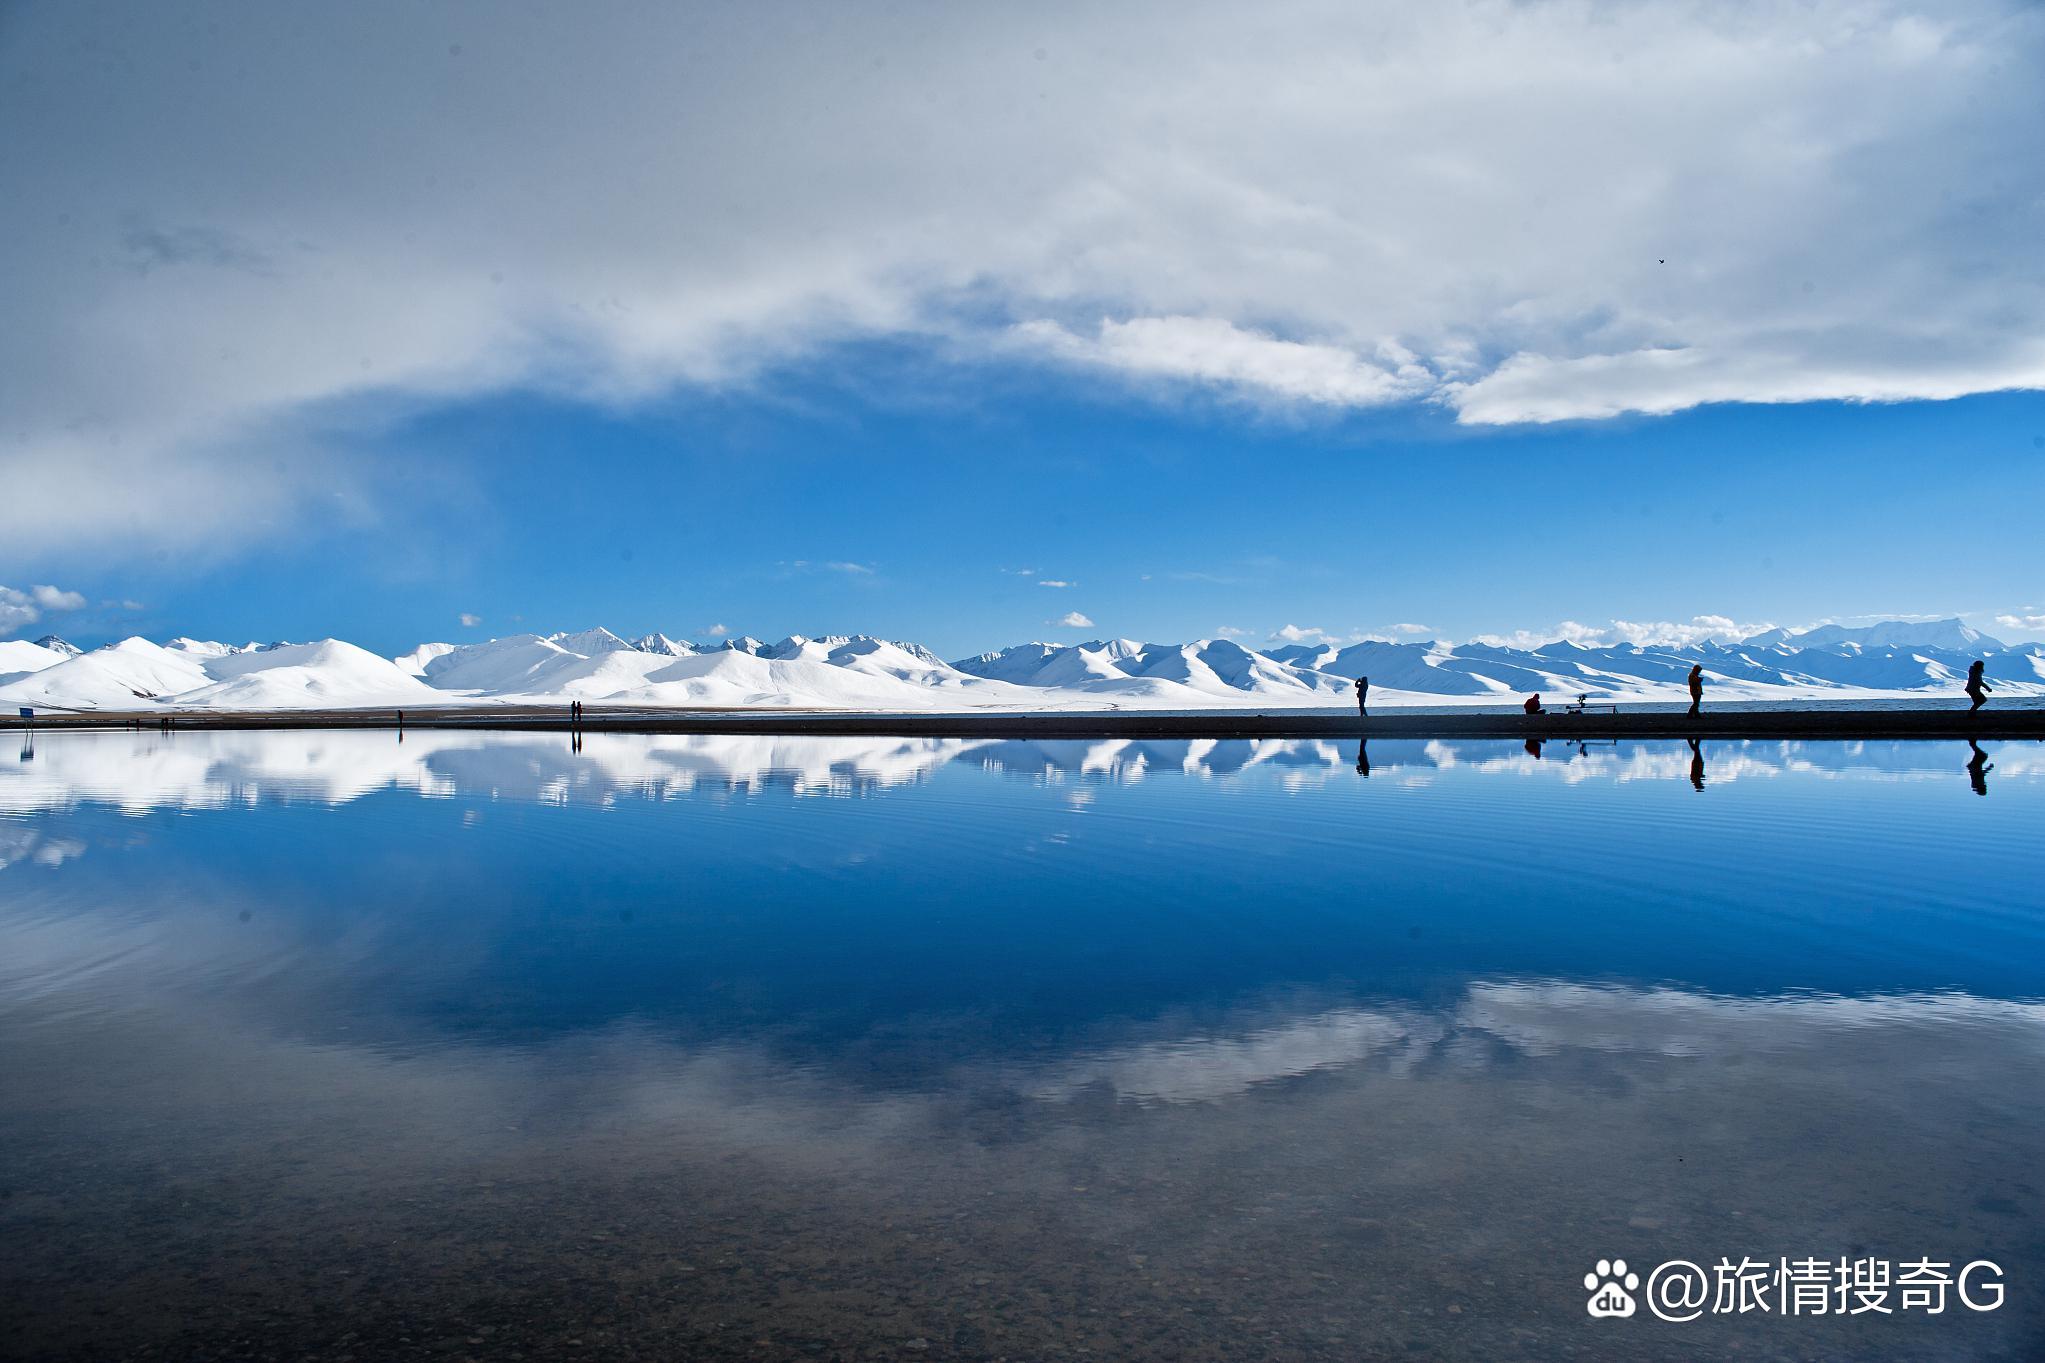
{"points": [[1835, 723]]}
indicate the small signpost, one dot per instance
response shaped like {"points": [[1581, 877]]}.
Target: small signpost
{"points": [[28, 716]]}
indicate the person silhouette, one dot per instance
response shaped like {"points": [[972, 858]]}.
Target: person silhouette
{"points": [[1363, 697], [1696, 765], [1696, 686], [1978, 767], [1977, 689], [1532, 704], [1363, 758]]}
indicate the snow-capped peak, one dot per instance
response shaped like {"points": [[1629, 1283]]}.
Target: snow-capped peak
{"points": [[589, 642], [660, 643]]}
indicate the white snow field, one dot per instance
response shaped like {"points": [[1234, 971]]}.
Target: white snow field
{"points": [[1893, 660]]}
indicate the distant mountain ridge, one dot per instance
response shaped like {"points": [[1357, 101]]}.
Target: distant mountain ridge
{"points": [[1889, 658], [1940, 634]]}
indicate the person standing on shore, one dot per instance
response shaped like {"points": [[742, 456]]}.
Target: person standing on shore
{"points": [[1696, 686], [1977, 689], [1363, 697]]}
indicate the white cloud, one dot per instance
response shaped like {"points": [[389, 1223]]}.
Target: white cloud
{"points": [[1213, 351], [1412, 629], [1583, 210], [1301, 634], [1652, 634], [717, 631], [1054, 582], [470, 621], [1701, 629], [2023, 622], [1072, 620], [1660, 380], [1231, 632], [803, 565], [20, 609]]}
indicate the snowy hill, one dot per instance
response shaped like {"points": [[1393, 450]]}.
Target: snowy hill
{"points": [[499, 665], [415, 661], [329, 674], [598, 667], [128, 675], [18, 658], [136, 674]]}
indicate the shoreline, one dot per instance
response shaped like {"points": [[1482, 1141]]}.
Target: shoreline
{"points": [[1833, 723]]}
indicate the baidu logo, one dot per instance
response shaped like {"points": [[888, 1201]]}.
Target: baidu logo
{"points": [[1611, 1288], [1681, 1290]]}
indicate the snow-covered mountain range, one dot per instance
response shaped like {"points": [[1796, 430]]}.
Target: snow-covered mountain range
{"points": [[1891, 659]]}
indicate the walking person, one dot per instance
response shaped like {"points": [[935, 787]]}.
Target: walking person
{"points": [[1977, 689], [1363, 697], [1696, 686]]}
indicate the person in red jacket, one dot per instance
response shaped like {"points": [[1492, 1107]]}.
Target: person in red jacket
{"points": [[1696, 686], [1533, 705]]}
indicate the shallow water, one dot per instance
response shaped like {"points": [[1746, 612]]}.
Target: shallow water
{"points": [[330, 1045]]}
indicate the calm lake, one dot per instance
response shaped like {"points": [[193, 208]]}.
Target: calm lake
{"points": [[336, 1045]]}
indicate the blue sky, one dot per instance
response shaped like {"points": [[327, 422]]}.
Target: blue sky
{"points": [[1519, 321], [868, 502]]}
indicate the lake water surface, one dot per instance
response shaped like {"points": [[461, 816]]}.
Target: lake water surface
{"points": [[331, 1045]]}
